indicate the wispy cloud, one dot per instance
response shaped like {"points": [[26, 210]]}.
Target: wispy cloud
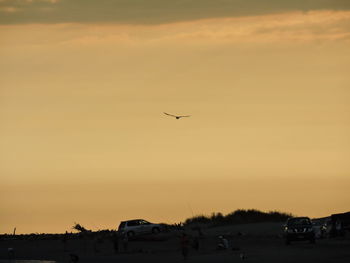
{"points": [[9, 9], [152, 11], [292, 27], [21, 2], [278, 30]]}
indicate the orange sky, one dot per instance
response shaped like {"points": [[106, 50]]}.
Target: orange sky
{"points": [[83, 137]]}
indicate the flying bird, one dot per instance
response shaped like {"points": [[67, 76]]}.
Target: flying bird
{"points": [[176, 116]]}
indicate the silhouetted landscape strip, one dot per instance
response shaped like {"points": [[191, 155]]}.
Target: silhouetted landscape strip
{"points": [[239, 216]]}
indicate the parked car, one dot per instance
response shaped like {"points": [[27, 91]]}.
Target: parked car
{"points": [[299, 228], [138, 226], [340, 224]]}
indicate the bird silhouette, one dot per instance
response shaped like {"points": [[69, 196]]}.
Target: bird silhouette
{"points": [[176, 116]]}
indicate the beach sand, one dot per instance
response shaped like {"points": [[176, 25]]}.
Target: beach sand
{"points": [[254, 242]]}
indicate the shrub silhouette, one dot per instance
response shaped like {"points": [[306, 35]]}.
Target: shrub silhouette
{"points": [[80, 228], [239, 216]]}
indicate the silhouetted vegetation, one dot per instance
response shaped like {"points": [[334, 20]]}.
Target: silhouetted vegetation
{"points": [[80, 228], [240, 216]]}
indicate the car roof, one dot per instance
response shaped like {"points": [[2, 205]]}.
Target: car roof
{"points": [[292, 220], [133, 220], [300, 217]]}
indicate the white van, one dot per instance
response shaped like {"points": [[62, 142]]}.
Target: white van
{"points": [[138, 226]]}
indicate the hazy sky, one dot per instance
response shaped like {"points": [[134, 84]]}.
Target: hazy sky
{"points": [[150, 11], [83, 88]]}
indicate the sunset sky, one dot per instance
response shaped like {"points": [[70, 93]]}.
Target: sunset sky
{"points": [[83, 88]]}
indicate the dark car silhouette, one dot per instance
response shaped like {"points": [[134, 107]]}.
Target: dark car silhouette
{"points": [[299, 228]]}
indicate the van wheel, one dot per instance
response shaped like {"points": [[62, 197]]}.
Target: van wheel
{"points": [[131, 234], [155, 230]]}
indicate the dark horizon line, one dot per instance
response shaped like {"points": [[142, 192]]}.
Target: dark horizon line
{"points": [[170, 224]]}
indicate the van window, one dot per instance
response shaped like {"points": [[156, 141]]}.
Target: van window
{"points": [[122, 225], [133, 223]]}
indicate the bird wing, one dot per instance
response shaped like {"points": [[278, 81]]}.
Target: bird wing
{"points": [[184, 116], [170, 115]]}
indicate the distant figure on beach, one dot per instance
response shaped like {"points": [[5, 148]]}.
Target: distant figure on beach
{"points": [[73, 258], [95, 244], [64, 241], [339, 228], [11, 253], [199, 230], [223, 243], [184, 242], [125, 242], [195, 243], [115, 240]]}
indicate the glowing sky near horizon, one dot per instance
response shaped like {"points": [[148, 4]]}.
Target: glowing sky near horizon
{"points": [[84, 139]]}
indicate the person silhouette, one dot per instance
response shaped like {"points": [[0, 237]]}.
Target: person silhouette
{"points": [[11, 253], [115, 240], [184, 242], [73, 258], [125, 242]]}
